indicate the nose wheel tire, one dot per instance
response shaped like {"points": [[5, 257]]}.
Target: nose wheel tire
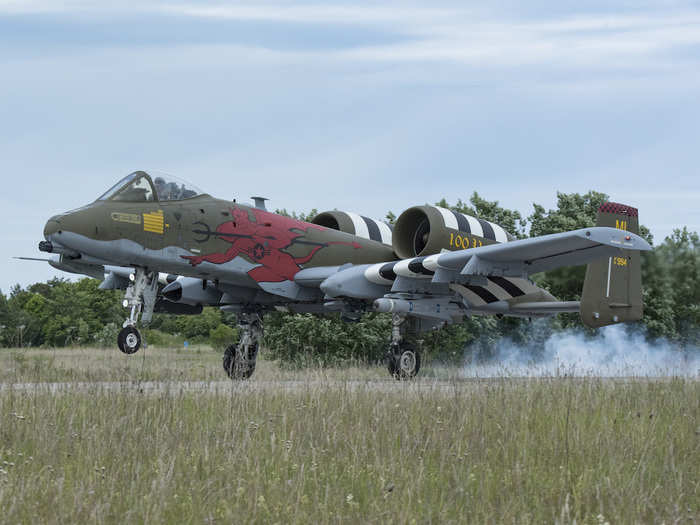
{"points": [[129, 340], [404, 362]]}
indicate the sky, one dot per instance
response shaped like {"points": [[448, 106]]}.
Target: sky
{"points": [[331, 105]]}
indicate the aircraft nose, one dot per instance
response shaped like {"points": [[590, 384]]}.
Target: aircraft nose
{"points": [[52, 226]]}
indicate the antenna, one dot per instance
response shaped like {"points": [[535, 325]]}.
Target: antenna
{"points": [[260, 202]]}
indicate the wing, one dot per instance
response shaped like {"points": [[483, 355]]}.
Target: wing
{"points": [[492, 279], [527, 256]]}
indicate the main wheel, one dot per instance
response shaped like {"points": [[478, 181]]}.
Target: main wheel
{"points": [[404, 362], [239, 363], [129, 340]]}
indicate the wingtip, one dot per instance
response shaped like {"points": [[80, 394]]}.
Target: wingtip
{"points": [[640, 243], [615, 237], [632, 241]]}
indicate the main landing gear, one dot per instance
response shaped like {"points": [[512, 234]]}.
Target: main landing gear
{"points": [[403, 358], [239, 359], [141, 297]]}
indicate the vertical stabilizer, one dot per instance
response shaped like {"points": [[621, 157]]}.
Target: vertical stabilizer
{"points": [[612, 290]]}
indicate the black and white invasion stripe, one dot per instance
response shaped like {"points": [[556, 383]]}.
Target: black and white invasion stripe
{"points": [[381, 273], [496, 289], [422, 267], [372, 229], [468, 224]]}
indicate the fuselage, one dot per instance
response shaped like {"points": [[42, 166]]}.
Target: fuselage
{"points": [[165, 225], [206, 238]]}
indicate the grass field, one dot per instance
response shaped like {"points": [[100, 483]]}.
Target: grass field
{"points": [[155, 364], [336, 448]]}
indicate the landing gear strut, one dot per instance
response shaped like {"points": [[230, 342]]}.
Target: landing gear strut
{"points": [[239, 359], [403, 359], [141, 297]]}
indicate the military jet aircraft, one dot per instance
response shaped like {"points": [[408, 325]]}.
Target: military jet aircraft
{"points": [[176, 249]]}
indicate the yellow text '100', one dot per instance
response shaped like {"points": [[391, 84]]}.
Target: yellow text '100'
{"points": [[462, 242]]}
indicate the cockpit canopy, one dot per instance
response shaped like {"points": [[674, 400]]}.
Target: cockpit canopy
{"points": [[140, 186]]}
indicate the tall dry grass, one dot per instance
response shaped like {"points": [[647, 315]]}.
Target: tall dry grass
{"points": [[525, 451], [156, 364]]}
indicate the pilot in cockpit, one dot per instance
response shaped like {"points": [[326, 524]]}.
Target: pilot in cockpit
{"points": [[139, 187], [159, 183]]}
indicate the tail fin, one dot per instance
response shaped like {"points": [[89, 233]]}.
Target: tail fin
{"points": [[612, 291]]}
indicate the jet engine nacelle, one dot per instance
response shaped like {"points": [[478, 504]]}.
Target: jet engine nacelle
{"points": [[355, 224], [427, 230]]}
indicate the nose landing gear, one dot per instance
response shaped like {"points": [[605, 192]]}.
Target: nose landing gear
{"points": [[141, 297]]}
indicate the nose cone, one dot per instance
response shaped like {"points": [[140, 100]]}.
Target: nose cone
{"points": [[52, 226]]}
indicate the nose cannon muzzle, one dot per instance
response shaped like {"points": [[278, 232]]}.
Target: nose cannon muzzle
{"points": [[51, 247], [46, 246]]}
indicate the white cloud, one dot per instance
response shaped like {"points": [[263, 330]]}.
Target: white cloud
{"points": [[513, 106], [317, 13], [644, 41], [620, 41]]}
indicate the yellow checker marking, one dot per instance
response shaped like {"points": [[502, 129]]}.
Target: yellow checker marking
{"points": [[153, 222]]}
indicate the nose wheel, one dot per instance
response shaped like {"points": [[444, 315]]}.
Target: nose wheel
{"points": [[140, 296], [129, 340]]}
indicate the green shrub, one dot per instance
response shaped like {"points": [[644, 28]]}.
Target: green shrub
{"points": [[222, 336], [303, 339], [107, 336], [158, 338]]}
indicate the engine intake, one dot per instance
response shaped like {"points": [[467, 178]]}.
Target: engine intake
{"points": [[426, 230]]}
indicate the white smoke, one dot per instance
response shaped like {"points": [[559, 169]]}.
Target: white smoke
{"points": [[613, 352]]}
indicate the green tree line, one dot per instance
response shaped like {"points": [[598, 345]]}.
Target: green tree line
{"points": [[60, 312]]}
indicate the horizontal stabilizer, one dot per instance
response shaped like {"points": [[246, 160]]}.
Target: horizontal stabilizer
{"points": [[551, 307], [530, 308]]}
